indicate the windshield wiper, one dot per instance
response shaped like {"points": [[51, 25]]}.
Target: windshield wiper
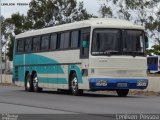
{"points": [[109, 52]]}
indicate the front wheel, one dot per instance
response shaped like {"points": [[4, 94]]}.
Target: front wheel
{"points": [[74, 85], [122, 93]]}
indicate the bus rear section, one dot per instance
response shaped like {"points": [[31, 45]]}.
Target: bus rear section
{"points": [[153, 63]]}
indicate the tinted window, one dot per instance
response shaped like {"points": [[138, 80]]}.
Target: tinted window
{"points": [[62, 38], [53, 42], [133, 41], [36, 44], [65, 40], [20, 46], [28, 45], [85, 38], [45, 42], [105, 41], [152, 60], [85, 51], [75, 39]]}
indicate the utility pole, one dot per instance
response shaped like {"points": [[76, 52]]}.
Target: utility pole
{"points": [[0, 46]]}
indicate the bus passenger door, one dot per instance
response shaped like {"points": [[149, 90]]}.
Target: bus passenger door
{"points": [[84, 55]]}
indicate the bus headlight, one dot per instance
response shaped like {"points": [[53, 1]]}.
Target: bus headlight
{"points": [[141, 83], [101, 83]]}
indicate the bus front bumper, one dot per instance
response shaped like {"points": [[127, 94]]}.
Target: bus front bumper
{"points": [[117, 83]]}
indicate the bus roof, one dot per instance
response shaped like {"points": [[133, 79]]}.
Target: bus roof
{"points": [[94, 23], [153, 56]]}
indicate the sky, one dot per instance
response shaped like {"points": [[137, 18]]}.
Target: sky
{"points": [[92, 6]]}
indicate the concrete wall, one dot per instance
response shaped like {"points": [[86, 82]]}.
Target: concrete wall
{"points": [[6, 79], [154, 82]]}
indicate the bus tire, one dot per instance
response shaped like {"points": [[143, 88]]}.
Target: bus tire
{"points": [[28, 83], [122, 93], [74, 85], [36, 88]]}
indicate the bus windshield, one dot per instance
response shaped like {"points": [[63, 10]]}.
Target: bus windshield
{"points": [[112, 41], [133, 42], [105, 41], [152, 60]]}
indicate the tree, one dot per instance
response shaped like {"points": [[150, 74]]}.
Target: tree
{"points": [[144, 12], [10, 48], [46, 13], [137, 11], [41, 14], [11, 27]]}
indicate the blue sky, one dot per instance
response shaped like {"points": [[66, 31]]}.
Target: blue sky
{"points": [[91, 5]]}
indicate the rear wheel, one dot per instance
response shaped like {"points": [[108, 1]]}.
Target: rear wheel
{"points": [[28, 83], [74, 85], [122, 93]]}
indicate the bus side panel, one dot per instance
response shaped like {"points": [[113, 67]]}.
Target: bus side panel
{"points": [[62, 80]]}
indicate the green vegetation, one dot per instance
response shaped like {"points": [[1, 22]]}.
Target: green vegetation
{"points": [[42, 14], [46, 13]]}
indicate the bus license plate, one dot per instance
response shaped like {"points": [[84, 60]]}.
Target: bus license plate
{"points": [[122, 85]]}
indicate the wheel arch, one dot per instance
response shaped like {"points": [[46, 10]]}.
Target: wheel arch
{"points": [[33, 73], [70, 75]]}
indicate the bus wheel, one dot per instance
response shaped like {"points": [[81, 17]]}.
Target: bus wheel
{"points": [[36, 88], [74, 85], [28, 83], [122, 93]]}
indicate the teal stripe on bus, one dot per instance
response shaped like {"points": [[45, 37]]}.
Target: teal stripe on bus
{"points": [[53, 80], [40, 64]]}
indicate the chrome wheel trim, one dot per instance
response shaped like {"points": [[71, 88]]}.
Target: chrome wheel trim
{"points": [[35, 82], [74, 84], [28, 83]]}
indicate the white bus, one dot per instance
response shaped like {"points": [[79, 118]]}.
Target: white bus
{"points": [[93, 55]]}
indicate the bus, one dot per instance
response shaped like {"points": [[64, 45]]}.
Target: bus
{"points": [[91, 55], [153, 63]]}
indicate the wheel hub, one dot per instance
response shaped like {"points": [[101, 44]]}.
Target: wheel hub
{"points": [[74, 84]]}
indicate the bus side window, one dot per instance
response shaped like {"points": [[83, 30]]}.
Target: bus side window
{"points": [[53, 42], [36, 44], [75, 39], [85, 40], [20, 46], [45, 42], [28, 45], [64, 40]]}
